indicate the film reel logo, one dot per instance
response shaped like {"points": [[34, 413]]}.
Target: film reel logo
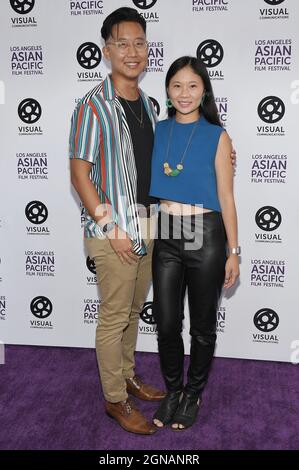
{"points": [[41, 307], [271, 109], [273, 2], [144, 4], [22, 6], [268, 218], [36, 212], [29, 110], [89, 55], [266, 320], [91, 265], [210, 52], [147, 314]]}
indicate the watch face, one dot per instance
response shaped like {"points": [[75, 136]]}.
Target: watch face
{"points": [[108, 227]]}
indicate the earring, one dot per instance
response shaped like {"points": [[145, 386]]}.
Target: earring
{"points": [[202, 99], [168, 103]]}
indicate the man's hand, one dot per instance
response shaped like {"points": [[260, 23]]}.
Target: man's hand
{"points": [[122, 245]]}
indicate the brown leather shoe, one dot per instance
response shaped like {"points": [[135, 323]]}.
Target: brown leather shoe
{"points": [[143, 391], [129, 418]]}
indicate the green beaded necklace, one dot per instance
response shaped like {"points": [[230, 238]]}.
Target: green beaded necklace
{"points": [[168, 171]]}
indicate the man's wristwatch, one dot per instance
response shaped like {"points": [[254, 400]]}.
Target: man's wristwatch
{"points": [[108, 227], [235, 250]]}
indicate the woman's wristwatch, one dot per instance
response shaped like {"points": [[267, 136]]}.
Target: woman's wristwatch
{"points": [[235, 250]]}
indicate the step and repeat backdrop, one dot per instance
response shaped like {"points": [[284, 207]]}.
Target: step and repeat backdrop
{"points": [[50, 56]]}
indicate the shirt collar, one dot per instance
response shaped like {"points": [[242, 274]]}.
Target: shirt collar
{"points": [[109, 90]]}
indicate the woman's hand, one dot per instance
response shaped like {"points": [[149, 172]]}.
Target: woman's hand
{"points": [[232, 271]]}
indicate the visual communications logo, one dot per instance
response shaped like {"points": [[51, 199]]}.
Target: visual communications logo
{"points": [[145, 6], [41, 308], [146, 315], [29, 111], [89, 57], [22, 8], [211, 53], [271, 110], [37, 213], [90, 264], [275, 10], [268, 219], [265, 320]]}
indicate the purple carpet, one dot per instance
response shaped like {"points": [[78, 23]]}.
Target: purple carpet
{"points": [[50, 398]]}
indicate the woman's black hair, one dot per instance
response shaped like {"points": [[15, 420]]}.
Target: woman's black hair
{"points": [[208, 108], [118, 16]]}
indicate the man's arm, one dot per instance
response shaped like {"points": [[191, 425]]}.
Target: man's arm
{"points": [[119, 240], [80, 170]]}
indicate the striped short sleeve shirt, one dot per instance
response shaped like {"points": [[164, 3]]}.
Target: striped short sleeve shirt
{"points": [[100, 135]]}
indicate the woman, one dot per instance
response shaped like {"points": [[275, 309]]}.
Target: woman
{"points": [[192, 176]]}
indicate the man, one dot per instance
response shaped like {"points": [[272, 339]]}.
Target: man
{"points": [[111, 143]]}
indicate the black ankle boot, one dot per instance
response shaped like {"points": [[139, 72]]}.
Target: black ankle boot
{"points": [[168, 407], [186, 412]]}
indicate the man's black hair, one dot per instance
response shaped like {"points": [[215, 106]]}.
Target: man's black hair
{"points": [[118, 16]]}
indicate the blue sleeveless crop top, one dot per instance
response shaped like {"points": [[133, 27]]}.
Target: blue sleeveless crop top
{"points": [[196, 183]]}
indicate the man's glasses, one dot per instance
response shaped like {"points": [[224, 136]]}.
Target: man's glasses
{"points": [[122, 46]]}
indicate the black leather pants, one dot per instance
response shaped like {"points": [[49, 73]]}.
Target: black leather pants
{"points": [[202, 271]]}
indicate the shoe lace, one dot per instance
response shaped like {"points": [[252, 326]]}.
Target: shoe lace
{"points": [[136, 381], [128, 406]]}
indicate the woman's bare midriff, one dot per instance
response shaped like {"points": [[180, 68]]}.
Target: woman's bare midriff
{"points": [[178, 208]]}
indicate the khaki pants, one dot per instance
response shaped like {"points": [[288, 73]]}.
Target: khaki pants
{"points": [[123, 290]]}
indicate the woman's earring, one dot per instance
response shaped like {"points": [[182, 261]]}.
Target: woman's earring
{"points": [[202, 99], [168, 103]]}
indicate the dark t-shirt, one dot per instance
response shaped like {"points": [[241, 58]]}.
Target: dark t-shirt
{"points": [[143, 142]]}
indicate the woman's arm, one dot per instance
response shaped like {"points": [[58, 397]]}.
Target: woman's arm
{"points": [[224, 175]]}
